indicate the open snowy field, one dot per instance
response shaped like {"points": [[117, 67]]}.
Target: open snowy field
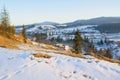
{"points": [[18, 65]]}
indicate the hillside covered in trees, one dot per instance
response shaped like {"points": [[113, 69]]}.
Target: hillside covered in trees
{"points": [[109, 28]]}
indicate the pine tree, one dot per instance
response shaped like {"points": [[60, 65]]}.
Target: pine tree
{"points": [[108, 53], [38, 38], [106, 41], [59, 39], [77, 42], [101, 42], [24, 34], [4, 21], [5, 18], [100, 52], [86, 39], [32, 37]]}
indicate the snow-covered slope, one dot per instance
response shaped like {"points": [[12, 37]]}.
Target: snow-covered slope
{"points": [[68, 33], [48, 23], [36, 28], [17, 65], [40, 28]]}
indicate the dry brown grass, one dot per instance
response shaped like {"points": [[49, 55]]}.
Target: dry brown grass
{"points": [[12, 42], [104, 58], [7, 43], [38, 55], [51, 49], [48, 46], [69, 53], [46, 56]]}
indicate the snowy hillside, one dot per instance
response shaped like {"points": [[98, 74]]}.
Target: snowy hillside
{"points": [[66, 33], [18, 65], [36, 28]]}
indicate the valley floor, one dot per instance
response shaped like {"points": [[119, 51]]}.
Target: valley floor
{"points": [[22, 65]]}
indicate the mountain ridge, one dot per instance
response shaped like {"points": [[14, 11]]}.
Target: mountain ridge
{"points": [[95, 21], [91, 21]]}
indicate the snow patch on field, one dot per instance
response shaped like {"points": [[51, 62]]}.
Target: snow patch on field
{"points": [[17, 65]]}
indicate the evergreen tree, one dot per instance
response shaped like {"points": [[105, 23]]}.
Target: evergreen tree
{"points": [[86, 39], [32, 37], [101, 42], [52, 39], [38, 38], [59, 39], [77, 42], [105, 40], [100, 52], [4, 21], [108, 53], [24, 34], [4, 18]]}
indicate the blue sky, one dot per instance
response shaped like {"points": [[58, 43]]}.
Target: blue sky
{"points": [[35, 11]]}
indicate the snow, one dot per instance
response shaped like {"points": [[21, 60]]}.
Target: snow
{"points": [[85, 28], [116, 53], [17, 65]]}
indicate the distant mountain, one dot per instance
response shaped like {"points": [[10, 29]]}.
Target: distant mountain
{"points": [[48, 23], [95, 21], [44, 26]]}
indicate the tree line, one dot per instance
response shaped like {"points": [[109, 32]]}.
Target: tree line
{"points": [[109, 28]]}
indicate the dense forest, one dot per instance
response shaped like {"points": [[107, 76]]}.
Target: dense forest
{"points": [[109, 28]]}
